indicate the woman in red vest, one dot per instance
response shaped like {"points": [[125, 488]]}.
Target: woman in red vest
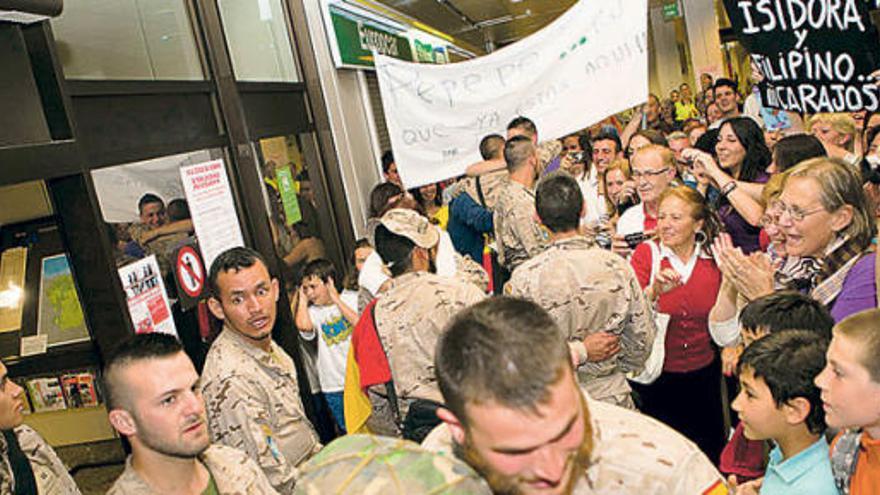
{"points": [[679, 275]]}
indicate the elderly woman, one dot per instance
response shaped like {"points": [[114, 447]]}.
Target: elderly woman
{"points": [[824, 216], [743, 158], [838, 134], [680, 276]]}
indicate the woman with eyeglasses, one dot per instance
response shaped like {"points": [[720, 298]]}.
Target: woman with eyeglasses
{"points": [[743, 158], [825, 216]]}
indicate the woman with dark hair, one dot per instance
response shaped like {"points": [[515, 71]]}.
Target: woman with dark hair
{"points": [[680, 277], [742, 160], [431, 201], [791, 150], [643, 138], [870, 166], [383, 195]]}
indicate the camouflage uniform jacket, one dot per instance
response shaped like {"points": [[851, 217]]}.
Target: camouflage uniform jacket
{"points": [[491, 184], [410, 317], [588, 290], [632, 454], [234, 473], [163, 246], [517, 234], [367, 464], [253, 404], [49, 472]]}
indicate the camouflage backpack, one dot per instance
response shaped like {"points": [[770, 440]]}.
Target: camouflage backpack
{"points": [[368, 464]]}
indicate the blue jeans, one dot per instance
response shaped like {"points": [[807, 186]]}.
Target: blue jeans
{"points": [[334, 401]]}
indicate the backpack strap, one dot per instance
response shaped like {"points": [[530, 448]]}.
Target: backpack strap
{"points": [[845, 458], [480, 192], [390, 389]]}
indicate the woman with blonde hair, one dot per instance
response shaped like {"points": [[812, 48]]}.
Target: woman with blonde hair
{"points": [[824, 216], [838, 134], [618, 188], [679, 275]]}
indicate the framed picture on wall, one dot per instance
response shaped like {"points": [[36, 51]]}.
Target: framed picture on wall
{"points": [[59, 313]]}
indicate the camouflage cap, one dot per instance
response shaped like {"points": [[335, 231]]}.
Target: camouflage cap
{"points": [[367, 464], [410, 224]]}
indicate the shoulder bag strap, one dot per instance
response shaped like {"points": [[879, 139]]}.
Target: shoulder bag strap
{"points": [[480, 191], [390, 390]]}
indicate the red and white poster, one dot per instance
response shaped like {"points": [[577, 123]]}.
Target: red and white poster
{"points": [[145, 293], [206, 186]]}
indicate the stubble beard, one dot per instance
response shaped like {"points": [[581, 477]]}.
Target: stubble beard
{"points": [[501, 484]]}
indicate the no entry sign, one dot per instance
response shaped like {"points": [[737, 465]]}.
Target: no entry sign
{"points": [[190, 275]]}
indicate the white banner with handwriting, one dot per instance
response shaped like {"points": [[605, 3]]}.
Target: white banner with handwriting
{"points": [[588, 64]]}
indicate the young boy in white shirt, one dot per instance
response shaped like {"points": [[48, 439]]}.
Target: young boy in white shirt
{"points": [[321, 310]]}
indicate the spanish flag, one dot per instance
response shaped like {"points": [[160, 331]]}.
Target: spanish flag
{"points": [[367, 365]]}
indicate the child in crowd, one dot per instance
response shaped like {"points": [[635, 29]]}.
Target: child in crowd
{"points": [[322, 310], [784, 310], [778, 401], [850, 385]]}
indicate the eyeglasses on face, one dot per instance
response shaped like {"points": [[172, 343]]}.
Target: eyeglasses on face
{"points": [[648, 173], [795, 213]]}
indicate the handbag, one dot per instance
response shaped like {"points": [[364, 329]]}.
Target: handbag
{"points": [[654, 363]]}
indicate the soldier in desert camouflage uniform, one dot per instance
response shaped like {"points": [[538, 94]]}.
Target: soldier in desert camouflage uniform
{"points": [[592, 294], [154, 400], [517, 234], [365, 464], [20, 443], [411, 315], [156, 234], [514, 412], [249, 382]]}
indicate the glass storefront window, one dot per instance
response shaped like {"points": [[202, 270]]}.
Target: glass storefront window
{"points": [[257, 36], [291, 205], [154, 219], [127, 39]]}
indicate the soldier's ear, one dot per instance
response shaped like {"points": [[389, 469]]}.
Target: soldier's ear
{"points": [[122, 422], [456, 429], [276, 288], [216, 308]]}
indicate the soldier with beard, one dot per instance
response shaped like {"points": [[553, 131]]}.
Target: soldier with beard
{"points": [[410, 316], [517, 233], [514, 412], [154, 400]]}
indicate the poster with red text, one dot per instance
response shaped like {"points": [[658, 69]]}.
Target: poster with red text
{"points": [[145, 294], [207, 190]]}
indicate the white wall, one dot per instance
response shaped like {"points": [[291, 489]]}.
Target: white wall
{"points": [[344, 92], [664, 63], [705, 43]]}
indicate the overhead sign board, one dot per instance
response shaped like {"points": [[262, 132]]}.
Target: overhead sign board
{"points": [[356, 40]]}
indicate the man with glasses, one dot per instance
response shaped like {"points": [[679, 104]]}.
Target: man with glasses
{"points": [[653, 170]]}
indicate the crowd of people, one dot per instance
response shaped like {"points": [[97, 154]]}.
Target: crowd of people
{"points": [[686, 304]]}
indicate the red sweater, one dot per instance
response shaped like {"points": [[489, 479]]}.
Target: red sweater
{"points": [[688, 343]]}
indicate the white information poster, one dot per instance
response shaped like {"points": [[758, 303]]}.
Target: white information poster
{"points": [[588, 64], [145, 293], [207, 190]]}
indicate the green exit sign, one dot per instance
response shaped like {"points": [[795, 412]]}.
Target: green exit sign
{"points": [[671, 11]]}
